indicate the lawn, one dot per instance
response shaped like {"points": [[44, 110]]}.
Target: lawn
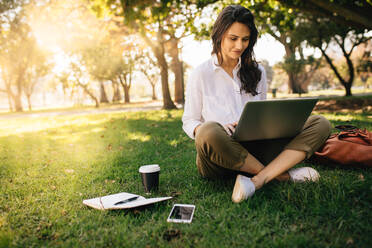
{"points": [[48, 165]]}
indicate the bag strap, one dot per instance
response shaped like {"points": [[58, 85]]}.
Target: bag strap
{"points": [[357, 133], [346, 127]]}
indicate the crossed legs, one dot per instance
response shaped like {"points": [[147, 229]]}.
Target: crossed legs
{"points": [[218, 155]]}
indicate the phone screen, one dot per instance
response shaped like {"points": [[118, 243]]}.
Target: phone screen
{"points": [[182, 212]]}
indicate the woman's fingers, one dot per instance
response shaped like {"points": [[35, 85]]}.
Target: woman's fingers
{"points": [[232, 128], [229, 128]]}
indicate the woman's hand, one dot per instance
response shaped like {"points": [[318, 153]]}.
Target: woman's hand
{"points": [[230, 128], [196, 129]]}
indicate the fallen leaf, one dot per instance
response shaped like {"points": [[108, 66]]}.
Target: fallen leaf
{"points": [[109, 147], [102, 136], [349, 241], [361, 177]]}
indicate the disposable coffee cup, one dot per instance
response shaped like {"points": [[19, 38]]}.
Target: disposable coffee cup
{"points": [[150, 177]]}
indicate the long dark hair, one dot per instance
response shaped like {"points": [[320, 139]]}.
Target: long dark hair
{"points": [[249, 73]]}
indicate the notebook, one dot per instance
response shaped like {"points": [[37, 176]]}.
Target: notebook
{"points": [[122, 201], [273, 119]]}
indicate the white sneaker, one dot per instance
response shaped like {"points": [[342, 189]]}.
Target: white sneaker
{"points": [[243, 189], [303, 174]]}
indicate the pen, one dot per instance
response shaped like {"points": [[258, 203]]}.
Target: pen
{"points": [[127, 200]]}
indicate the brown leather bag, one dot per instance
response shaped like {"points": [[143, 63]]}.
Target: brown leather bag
{"points": [[351, 146]]}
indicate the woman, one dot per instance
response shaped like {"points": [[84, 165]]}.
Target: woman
{"points": [[216, 93]]}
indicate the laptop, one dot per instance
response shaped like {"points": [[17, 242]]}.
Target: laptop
{"points": [[273, 119]]}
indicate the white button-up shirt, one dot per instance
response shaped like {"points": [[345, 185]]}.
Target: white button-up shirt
{"points": [[213, 95]]}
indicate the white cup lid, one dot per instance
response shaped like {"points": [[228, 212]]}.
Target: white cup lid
{"points": [[149, 168]]}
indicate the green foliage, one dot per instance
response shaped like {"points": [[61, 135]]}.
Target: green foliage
{"points": [[6, 5], [22, 61], [50, 164], [352, 14]]}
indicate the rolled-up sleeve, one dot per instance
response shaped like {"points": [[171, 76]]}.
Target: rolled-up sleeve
{"points": [[193, 105]]}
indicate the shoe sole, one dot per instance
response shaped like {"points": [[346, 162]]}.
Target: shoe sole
{"points": [[237, 197]]}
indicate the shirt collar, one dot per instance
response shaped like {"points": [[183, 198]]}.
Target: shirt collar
{"points": [[216, 66]]}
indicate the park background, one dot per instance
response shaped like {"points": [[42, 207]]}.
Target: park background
{"points": [[91, 90], [73, 53]]}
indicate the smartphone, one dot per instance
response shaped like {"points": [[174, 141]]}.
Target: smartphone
{"points": [[181, 213]]}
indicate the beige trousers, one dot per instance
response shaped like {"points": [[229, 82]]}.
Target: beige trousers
{"points": [[219, 155]]}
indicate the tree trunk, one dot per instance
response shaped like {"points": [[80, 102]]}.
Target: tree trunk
{"points": [[115, 87], [126, 94], [10, 102], [18, 96], [18, 103], [348, 90], [176, 67], [86, 90], [29, 102], [153, 92], [347, 84], [152, 81], [126, 88], [158, 50], [103, 98], [167, 100], [292, 82]]}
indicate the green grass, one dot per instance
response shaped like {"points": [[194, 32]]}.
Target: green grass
{"points": [[48, 165]]}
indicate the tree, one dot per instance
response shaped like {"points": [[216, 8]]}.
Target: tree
{"points": [[353, 14], [125, 75], [68, 86], [21, 61], [125, 56], [269, 71], [148, 21], [364, 63], [176, 67], [281, 23], [6, 5], [78, 76], [97, 60], [147, 66], [323, 33], [323, 78], [300, 70], [158, 24], [39, 67]]}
